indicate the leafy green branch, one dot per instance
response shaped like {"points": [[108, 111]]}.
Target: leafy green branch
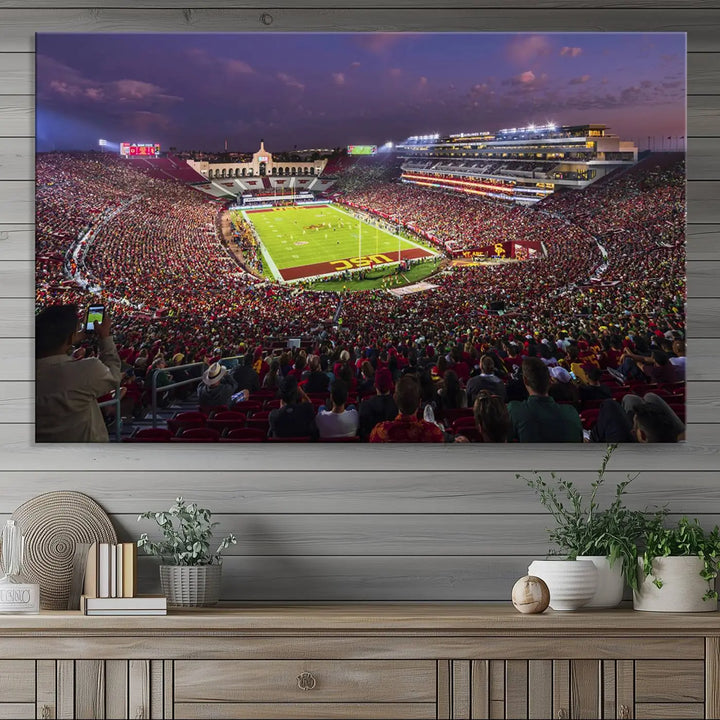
{"points": [[187, 530], [582, 527]]}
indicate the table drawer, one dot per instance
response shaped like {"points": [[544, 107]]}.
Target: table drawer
{"points": [[672, 681], [17, 681], [305, 711], [305, 681]]}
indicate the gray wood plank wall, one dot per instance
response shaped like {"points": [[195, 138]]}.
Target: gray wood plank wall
{"points": [[369, 523]]}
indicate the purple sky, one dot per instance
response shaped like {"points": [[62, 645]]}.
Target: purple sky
{"points": [[193, 91]]}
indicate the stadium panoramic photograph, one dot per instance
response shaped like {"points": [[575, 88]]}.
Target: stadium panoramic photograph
{"points": [[360, 237]]}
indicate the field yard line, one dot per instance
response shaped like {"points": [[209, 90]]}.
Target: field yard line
{"points": [[397, 237], [266, 256]]}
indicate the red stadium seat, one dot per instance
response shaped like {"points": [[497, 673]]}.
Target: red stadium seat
{"points": [[244, 435], [148, 435], [272, 404], [462, 424], [453, 414], [228, 420], [210, 411], [261, 396], [248, 406], [185, 420], [197, 435]]}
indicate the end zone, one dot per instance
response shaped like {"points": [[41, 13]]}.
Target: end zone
{"points": [[331, 267]]}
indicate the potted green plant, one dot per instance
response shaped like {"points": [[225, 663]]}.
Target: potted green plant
{"points": [[189, 572], [677, 569], [585, 531]]}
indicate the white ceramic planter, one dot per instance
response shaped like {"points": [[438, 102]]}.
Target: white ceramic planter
{"points": [[610, 582], [571, 582], [682, 587]]}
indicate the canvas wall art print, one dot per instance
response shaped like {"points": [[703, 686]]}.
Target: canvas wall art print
{"points": [[360, 237]]}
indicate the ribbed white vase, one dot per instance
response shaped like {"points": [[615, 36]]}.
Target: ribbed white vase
{"points": [[571, 582], [610, 582], [682, 587]]}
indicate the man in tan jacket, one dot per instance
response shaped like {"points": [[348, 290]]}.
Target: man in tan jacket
{"points": [[66, 390]]}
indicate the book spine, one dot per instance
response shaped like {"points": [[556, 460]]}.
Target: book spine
{"points": [[129, 570], [104, 570], [90, 586], [113, 571], [119, 570]]}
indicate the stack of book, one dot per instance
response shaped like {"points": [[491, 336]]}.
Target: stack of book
{"points": [[110, 586]]}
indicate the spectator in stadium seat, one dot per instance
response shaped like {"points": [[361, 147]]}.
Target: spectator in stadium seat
{"points": [[158, 369], [492, 418], [317, 380], [562, 388], [450, 394], [594, 389], [245, 375], [540, 418], [216, 387], [620, 422], [678, 359], [406, 428], [66, 390], [271, 381], [296, 416], [379, 407], [339, 421], [653, 424], [486, 380]]}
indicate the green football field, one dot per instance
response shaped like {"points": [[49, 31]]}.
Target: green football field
{"points": [[315, 240]]}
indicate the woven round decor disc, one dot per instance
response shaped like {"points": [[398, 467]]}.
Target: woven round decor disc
{"points": [[53, 523]]}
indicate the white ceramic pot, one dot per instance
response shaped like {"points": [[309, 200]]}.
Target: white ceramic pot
{"points": [[610, 582], [571, 582], [682, 587]]}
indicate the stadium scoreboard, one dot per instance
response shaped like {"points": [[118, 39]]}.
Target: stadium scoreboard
{"points": [[139, 149], [361, 149]]}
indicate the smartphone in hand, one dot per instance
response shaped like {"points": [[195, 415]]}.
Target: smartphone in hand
{"points": [[95, 314]]}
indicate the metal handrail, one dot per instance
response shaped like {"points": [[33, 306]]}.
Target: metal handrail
{"points": [[118, 414], [165, 388]]}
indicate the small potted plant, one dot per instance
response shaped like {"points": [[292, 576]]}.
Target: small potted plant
{"points": [[677, 569], [583, 530], [189, 572]]}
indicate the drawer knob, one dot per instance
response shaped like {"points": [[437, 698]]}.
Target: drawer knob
{"points": [[562, 714], [306, 681], [46, 712], [624, 712]]}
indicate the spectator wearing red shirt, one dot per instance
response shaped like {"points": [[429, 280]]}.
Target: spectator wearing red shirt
{"points": [[406, 428]]}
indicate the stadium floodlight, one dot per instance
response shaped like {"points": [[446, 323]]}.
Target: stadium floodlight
{"points": [[102, 142]]}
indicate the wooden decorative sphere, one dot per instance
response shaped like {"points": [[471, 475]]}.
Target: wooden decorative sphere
{"points": [[530, 595]]}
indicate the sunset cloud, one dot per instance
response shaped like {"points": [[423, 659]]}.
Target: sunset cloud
{"points": [[290, 81], [525, 48], [338, 78], [571, 51]]}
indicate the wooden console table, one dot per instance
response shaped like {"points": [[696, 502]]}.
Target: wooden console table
{"points": [[371, 661]]}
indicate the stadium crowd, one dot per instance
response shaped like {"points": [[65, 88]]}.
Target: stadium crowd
{"points": [[607, 293]]}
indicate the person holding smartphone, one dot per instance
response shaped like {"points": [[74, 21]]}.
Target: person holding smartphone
{"points": [[67, 389]]}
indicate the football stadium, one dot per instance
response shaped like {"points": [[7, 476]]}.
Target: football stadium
{"points": [[351, 271], [363, 237]]}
